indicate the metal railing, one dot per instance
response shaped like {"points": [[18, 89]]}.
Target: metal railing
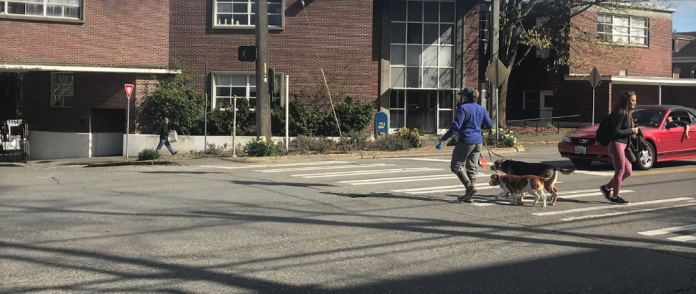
{"points": [[538, 119]]}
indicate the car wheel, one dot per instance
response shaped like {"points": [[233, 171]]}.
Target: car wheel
{"points": [[581, 162], [646, 159]]}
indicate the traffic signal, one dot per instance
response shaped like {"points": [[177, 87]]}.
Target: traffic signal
{"points": [[246, 53]]}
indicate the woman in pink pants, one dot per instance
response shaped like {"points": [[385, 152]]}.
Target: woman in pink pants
{"points": [[622, 129]]}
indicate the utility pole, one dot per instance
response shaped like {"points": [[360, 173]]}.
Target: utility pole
{"points": [[263, 97], [495, 38]]}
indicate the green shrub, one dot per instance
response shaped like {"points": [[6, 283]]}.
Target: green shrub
{"points": [[453, 140], [411, 136], [353, 116], [148, 154], [359, 140], [304, 121], [506, 139], [391, 143], [258, 147], [306, 145]]}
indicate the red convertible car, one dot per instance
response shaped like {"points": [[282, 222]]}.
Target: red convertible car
{"points": [[582, 148]]}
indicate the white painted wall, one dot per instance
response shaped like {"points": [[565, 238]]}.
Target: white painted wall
{"points": [[107, 144], [136, 143], [55, 145]]}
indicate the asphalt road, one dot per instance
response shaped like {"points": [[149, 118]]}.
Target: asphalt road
{"points": [[344, 226]]}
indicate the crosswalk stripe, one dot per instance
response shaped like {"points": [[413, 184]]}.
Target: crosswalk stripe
{"points": [[684, 238], [461, 188], [399, 180], [668, 230], [611, 206], [366, 172], [605, 174], [436, 188], [322, 167], [426, 159], [562, 195], [624, 212], [275, 165]]}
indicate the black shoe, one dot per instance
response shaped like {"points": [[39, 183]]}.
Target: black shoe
{"points": [[175, 152], [619, 200], [606, 192]]}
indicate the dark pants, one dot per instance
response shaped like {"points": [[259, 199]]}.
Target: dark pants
{"points": [[165, 142], [466, 157]]}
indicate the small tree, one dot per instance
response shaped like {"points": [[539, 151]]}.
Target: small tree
{"points": [[173, 98]]}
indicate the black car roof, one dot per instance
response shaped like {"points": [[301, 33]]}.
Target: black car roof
{"points": [[668, 107]]}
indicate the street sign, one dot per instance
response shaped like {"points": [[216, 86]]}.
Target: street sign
{"points": [[502, 73], [129, 90], [246, 53], [594, 78]]}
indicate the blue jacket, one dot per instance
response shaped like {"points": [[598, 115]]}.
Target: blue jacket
{"points": [[467, 123]]}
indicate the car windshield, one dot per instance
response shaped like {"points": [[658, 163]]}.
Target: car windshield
{"points": [[647, 117]]}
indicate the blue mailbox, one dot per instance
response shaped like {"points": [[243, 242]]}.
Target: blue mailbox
{"points": [[381, 124]]}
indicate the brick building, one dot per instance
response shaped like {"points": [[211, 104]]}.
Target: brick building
{"points": [[407, 57], [684, 55], [536, 93]]}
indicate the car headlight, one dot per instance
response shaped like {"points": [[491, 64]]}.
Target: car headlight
{"points": [[566, 140]]}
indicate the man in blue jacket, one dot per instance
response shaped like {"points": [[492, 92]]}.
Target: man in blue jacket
{"points": [[467, 124]]}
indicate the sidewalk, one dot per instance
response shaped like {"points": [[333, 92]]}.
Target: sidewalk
{"points": [[428, 150]]}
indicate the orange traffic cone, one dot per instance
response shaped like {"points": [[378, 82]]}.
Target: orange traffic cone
{"points": [[482, 163]]}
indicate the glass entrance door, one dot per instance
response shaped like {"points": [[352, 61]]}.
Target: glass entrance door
{"points": [[421, 110]]}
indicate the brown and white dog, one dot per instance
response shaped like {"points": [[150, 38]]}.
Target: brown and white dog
{"points": [[514, 185], [520, 168]]}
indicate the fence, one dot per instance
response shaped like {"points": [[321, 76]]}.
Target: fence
{"points": [[536, 121]]}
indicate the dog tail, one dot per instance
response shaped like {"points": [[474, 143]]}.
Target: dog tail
{"points": [[565, 171]]}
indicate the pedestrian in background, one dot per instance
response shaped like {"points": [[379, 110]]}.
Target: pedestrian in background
{"points": [[622, 129], [467, 124], [164, 137]]}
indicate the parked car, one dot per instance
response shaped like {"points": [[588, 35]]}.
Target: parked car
{"points": [[666, 144]]}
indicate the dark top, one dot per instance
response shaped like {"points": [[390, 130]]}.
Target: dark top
{"points": [[467, 123], [621, 130], [676, 123], [164, 133]]}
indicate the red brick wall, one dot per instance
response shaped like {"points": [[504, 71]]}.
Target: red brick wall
{"points": [[117, 33], [645, 95], [655, 60], [92, 90], [575, 97], [343, 36], [471, 54]]}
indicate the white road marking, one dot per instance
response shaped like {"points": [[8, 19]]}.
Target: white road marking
{"points": [[436, 188], [275, 165], [684, 238], [366, 172], [624, 212], [279, 170], [588, 194], [604, 174], [426, 159], [613, 206], [399, 180], [668, 230]]}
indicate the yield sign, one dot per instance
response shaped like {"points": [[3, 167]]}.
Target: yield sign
{"points": [[594, 77], [129, 90], [497, 73]]}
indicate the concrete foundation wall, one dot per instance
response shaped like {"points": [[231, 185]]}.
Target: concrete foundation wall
{"points": [[136, 143], [56, 145], [107, 144]]}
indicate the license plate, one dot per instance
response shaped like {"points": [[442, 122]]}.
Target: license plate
{"points": [[580, 150]]}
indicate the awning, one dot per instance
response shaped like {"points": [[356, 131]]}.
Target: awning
{"points": [[634, 80], [5, 67]]}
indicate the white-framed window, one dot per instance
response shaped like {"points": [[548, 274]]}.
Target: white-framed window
{"points": [[445, 108], [47, 9], [527, 99], [422, 44], [242, 85], [542, 53], [241, 14], [623, 29], [397, 109], [62, 89]]}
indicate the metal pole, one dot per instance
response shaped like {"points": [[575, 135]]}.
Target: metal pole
{"points": [[496, 115], [659, 97], [127, 126], [234, 129], [205, 120], [593, 105], [287, 112]]}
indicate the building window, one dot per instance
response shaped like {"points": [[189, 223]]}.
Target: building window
{"points": [[62, 89], [397, 109], [422, 44], [445, 108], [622, 29], [527, 99], [227, 86], [240, 14], [674, 45], [58, 9]]}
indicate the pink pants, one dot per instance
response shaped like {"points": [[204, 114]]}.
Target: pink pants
{"points": [[622, 168]]}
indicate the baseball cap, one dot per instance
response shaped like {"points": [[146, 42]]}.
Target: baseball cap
{"points": [[468, 91]]}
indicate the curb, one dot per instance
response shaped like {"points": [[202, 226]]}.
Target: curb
{"points": [[364, 155], [13, 164], [540, 142], [125, 163]]}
